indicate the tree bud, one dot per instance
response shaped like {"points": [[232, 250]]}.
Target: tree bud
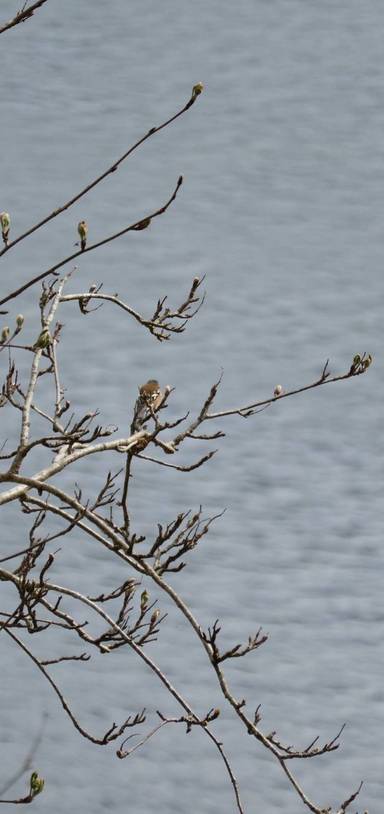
{"points": [[36, 784], [5, 221], [143, 224], [144, 599], [82, 229], [278, 390], [19, 322], [154, 617], [4, 334], [43, 340], [197, 89]]}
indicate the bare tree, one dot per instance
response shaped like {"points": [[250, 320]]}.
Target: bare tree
{"points": [[41, 605]]}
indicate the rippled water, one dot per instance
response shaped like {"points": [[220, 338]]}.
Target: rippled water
{"points": [[282, 209]]}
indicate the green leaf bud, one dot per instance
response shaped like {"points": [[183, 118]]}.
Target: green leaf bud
{"points": [[5, 220], [43, 340], [36, 784], [82, 229], [144, 599]]}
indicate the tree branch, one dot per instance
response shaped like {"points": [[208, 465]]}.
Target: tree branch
{"points": [[20, 17], [103, 175], [140, 652], [143, 223]]}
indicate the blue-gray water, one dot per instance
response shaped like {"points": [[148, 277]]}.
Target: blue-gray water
{"points": [[282, 209]]}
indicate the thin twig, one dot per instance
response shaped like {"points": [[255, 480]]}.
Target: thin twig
{"points": [[190, 468], [140, 652], [21, 16], [250, 408], [134, 227], [101, 177], [111, 734]]}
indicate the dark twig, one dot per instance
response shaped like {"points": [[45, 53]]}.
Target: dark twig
{"points": [[112, 733], [350, 799], [82, 657], [133, 227], [20, 17], [325, 378], [180, 468], [164, 321], [103, 175]]}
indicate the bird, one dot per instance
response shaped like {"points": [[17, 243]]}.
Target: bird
{"points": [[149, 392], [148, 400], [82, 229]]}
